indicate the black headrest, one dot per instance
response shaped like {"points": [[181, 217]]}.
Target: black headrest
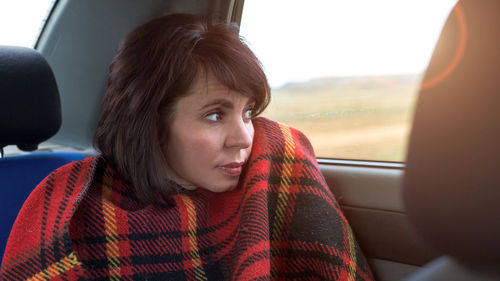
{"points": [[451, 185], [30, 109]]}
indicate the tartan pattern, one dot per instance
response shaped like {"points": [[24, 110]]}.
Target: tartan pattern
{"points": [[281, 223]]}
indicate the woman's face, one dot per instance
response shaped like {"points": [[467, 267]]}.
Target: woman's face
{"points": [[210, 137]]}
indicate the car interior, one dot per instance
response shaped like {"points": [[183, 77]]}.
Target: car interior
{"points": [[433, 217], [31, 114]]}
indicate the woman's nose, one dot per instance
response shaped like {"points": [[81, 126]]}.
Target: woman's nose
{"points": [[240, 135]]}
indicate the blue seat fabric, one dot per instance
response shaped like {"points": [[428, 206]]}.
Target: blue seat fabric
{"points": [[18, 177]]}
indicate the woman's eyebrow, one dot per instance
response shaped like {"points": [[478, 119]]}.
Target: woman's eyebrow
{"points": [[218, 102]]}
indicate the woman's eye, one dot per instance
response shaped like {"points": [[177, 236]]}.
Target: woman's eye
{"points": [[248, 114], [217, 116]]}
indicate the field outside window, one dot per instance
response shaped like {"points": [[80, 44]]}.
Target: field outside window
{"points": [[346, 73]]}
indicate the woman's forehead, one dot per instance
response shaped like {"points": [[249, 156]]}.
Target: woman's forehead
{"points": [[207, 87], [212, 95]]}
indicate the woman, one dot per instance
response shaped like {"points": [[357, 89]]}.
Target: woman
{"points": [[188, 185]]}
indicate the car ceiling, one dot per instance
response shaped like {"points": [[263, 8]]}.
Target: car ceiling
{"points": [[80, 40]]}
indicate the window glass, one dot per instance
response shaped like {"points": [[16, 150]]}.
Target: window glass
{"points": [[346, 73], [22, 20]]}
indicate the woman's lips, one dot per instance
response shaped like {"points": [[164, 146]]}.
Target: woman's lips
{"points": [[233, 169]]}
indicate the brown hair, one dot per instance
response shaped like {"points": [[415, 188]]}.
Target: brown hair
{"points": [[155, 65]]}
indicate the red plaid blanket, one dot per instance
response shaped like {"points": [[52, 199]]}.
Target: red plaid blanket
{"points": [[84, 223]]}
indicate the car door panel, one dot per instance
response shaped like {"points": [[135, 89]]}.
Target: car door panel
{"points": [[369, 195]]}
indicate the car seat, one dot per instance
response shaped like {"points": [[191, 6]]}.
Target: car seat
{"points": [[30, 113], [451, 184]]}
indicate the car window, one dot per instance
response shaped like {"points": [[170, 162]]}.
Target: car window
{"points": [[22, 20], [346, 73]]}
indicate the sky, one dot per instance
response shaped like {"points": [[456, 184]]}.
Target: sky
{"points": [[342, 37], [323, 38]]}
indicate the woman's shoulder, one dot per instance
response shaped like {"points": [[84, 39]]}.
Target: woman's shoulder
{"points": [[50, 206], [266, 126], [84, 165], [282, 137], [68, 179], [73, 177]]}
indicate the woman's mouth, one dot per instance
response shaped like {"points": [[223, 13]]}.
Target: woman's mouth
{"points": [[232, 169]]}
